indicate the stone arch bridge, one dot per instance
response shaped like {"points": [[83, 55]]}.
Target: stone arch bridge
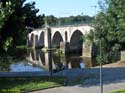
{"points": [[51, 37]]}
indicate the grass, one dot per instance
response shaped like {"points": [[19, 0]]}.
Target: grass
{"points": [[17, 85], [21, 47], [118, 91]]}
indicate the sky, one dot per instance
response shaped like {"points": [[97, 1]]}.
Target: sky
{"points": [[65, 8]]}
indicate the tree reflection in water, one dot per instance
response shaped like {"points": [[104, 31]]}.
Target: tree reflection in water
{"points": [[47, 61]]}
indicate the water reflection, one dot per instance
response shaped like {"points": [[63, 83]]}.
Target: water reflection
{"points": [[37, 60], [55, 62], [23, 67]]}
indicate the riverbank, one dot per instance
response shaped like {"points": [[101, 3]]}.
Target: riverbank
{"points": [[115, 64]]}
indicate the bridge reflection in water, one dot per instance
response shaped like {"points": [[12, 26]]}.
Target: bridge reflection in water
{"points": [[53, 62]]}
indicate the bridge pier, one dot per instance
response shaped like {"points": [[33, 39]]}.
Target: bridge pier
{"points": [[89, 52], [64, 47], [48, 38], [87, 49], [86, 53]]}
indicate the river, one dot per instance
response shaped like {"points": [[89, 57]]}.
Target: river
{"points": [[31, 60]]}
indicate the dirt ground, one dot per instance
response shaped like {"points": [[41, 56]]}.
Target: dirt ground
{"points": [[116, 64]]}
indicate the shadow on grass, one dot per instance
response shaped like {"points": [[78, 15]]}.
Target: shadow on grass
{"points": [[17, 85]]}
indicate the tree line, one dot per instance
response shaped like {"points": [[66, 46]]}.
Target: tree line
{"points": [[71, 20]]}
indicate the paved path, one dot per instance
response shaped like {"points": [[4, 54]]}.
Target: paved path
{"points": [[80, 89], [113, 79]]}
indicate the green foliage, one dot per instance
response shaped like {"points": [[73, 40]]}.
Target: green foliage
{"points": [[5, 11], [102, 58], [89, 37], [79, 19], [15, 17], [51, 20], [75, 20], [7, 43], [110, 26]]}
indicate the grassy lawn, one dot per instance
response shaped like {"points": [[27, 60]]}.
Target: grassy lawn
{"points": [[17, 85], [118, 91]]}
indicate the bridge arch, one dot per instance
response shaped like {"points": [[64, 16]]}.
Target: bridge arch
{"points": [[66, 37], [41, 39], [36, 40], [76, 41], [32, 39], [56, 39]]}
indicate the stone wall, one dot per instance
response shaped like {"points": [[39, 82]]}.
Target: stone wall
{"points": [[122, 55]]}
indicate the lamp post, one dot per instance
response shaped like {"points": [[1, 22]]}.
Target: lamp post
{"points": [[95, 9], [50, 63], [101, 72]]}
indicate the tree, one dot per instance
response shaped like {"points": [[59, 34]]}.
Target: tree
{"points": [[5, 12], [15, 17], [110, 26], [51, 20]]}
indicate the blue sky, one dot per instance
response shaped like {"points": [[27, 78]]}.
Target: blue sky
{"points": [[63, 8]]}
